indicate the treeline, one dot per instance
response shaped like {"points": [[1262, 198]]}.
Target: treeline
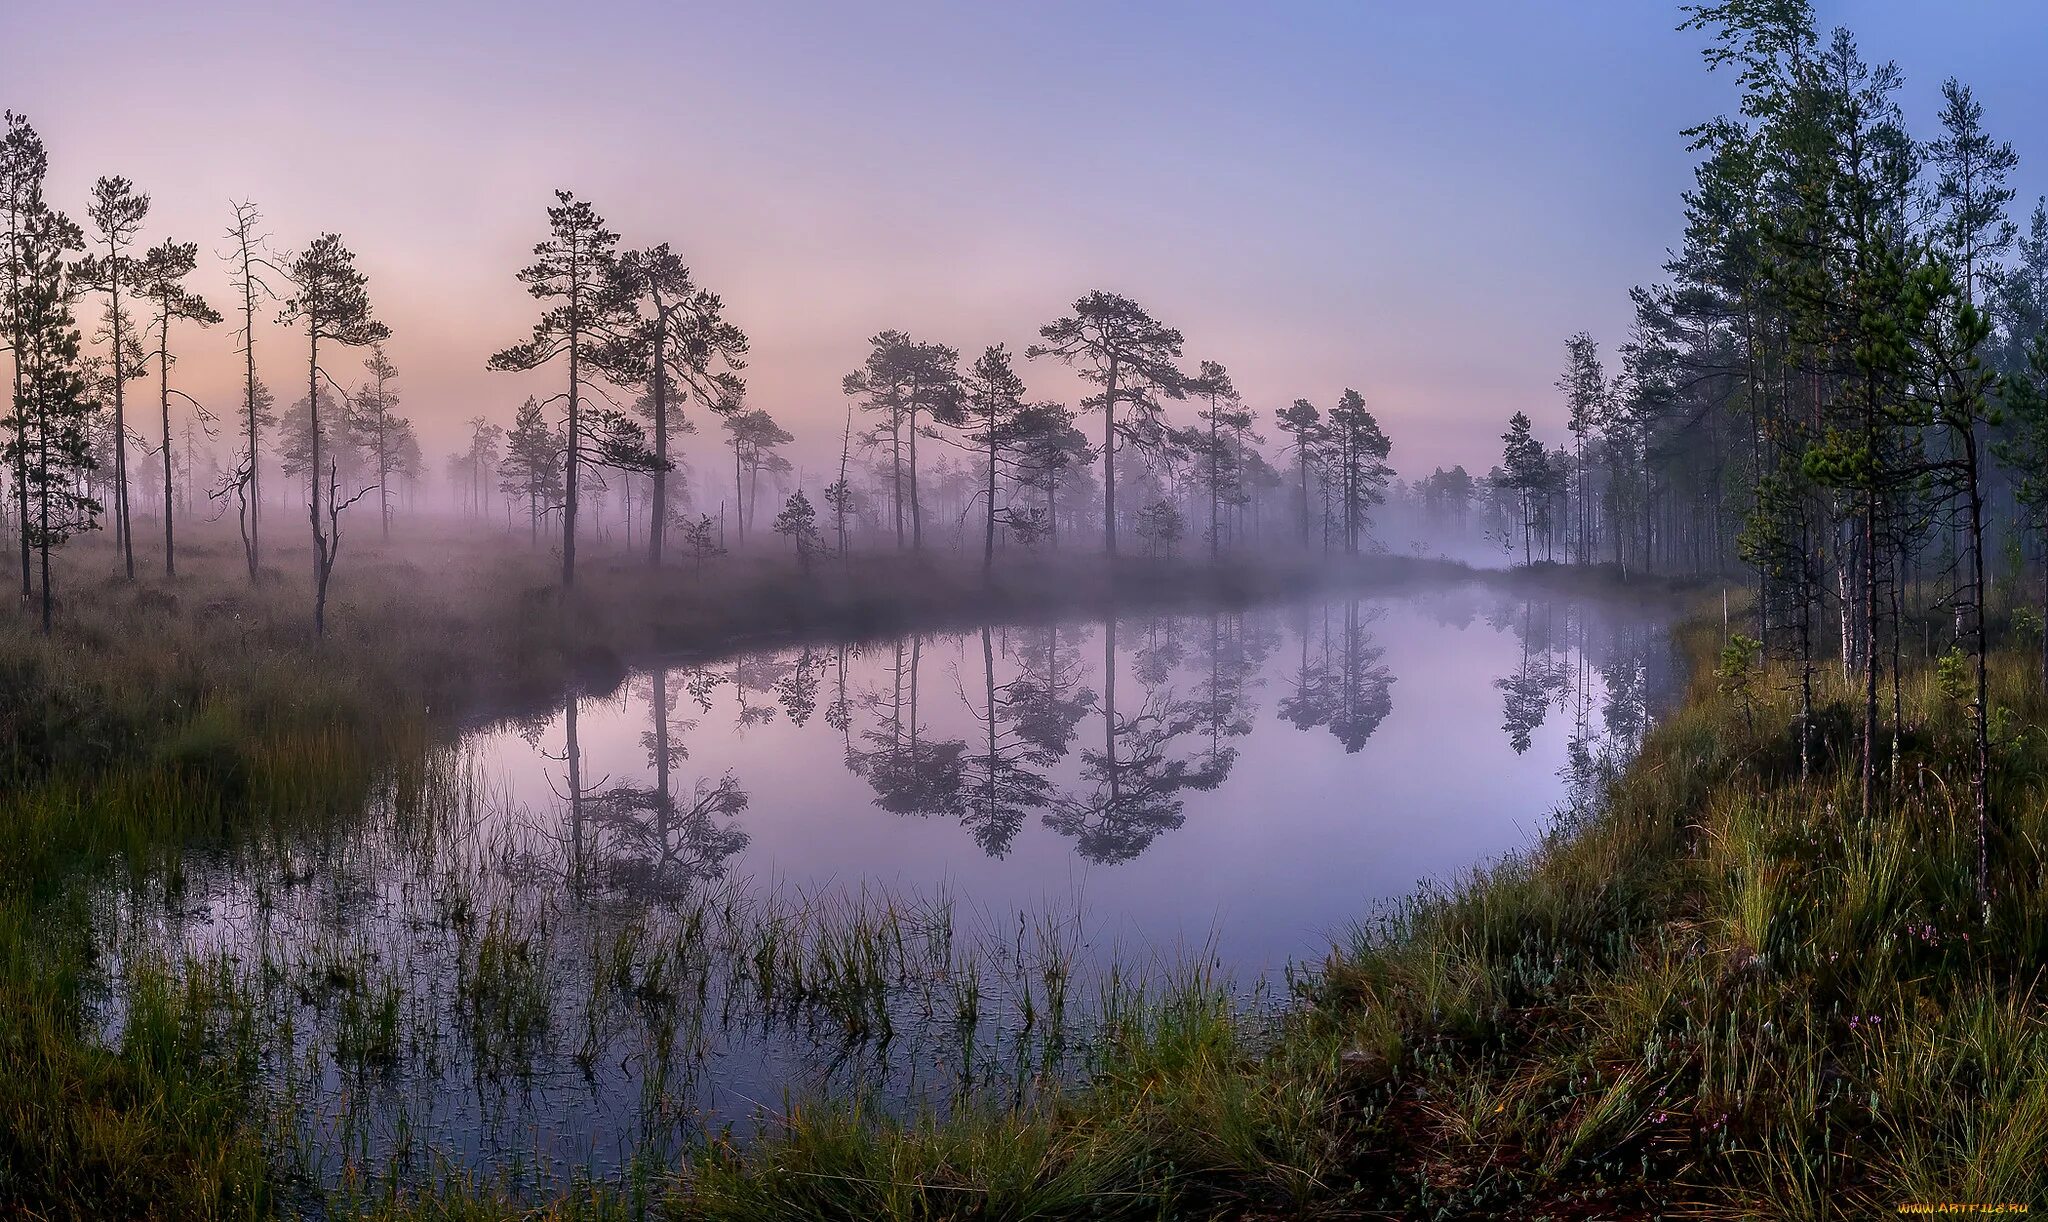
{"points": [[1841, 388], [1010, 468], [646, 355]]}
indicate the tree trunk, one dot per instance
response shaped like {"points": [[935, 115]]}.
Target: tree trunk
{"points": [[43, 539], [1109, 460], [896, 471], [1982, 728], [916, 506], [575, 439], [121, 527], [657, 521], [739, 491], [163, 368], [313, 478], [988, 543], [249, 391], [1215, 492]]}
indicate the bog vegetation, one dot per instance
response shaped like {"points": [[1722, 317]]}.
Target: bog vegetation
{"points": [[1788, 966]]}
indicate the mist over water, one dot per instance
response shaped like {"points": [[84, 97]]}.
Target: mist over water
{"points": [[898, 870]]}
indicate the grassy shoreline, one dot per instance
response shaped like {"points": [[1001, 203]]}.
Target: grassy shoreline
{"points": [[1713, 997]]}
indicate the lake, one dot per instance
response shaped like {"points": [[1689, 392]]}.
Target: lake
{"points": [[903, 871]]}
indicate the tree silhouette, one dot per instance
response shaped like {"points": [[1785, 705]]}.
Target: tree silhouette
{"points": [[1526, 694], [1233, 652], [995, 399], [1311, 699], [904, 381], [1219, 445], [1363, 687], [681, 346], [47, 444], [575, 269], [1358, 457], [249, 263], [1116, 345], [756, 440], [116, 211], [1046, 701], [331, 300], [23, 163], [379, 425], [1047, 447], [798, 522], [659, 844], [1304, 422], [159, 277], [532, 466], [1000, 783]]}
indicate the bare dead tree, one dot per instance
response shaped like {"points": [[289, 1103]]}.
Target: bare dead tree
{"points": [[249, 262]]}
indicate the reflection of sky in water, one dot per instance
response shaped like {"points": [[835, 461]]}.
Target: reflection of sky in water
{"points": [[1297, 838], [1278, 772]]}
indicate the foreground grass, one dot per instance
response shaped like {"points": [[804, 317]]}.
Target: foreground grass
{"points": [[1719, 995]]}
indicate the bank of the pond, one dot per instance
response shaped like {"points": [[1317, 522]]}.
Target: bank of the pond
{"points": [[1722, 995], [161, 717]]}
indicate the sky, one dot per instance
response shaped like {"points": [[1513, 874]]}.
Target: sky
{"points": [[1421, 201]]}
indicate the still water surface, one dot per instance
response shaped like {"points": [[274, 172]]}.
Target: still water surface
{"points": [[906, 869]]}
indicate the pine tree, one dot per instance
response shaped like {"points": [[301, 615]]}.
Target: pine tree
{"points": [[995, 398], [377, 425], [683, 345], [1048, 446], [1359, 459], [117, 211], [1304, 422], [1584, 386], [23, 163], [903, 381], [755, 439], [331, 300], [532, 466], [160, 279], [798, 522], [574, 268], [1219, 446], [48, 443], [1527, 470], [1116, 345]]}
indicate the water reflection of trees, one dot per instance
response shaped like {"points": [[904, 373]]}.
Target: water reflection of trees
{"points": [[1046, 701], [1538, 679], [1340, 680], [648, 837], [911, 772], [1003, 782], [1582, 658], [1230, 658], [1133, 788], [1103, 747]]}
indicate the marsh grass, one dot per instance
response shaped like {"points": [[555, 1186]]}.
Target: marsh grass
{"points": [[1715, 992], [1720, 994], [165, 716], [433, 968]]}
